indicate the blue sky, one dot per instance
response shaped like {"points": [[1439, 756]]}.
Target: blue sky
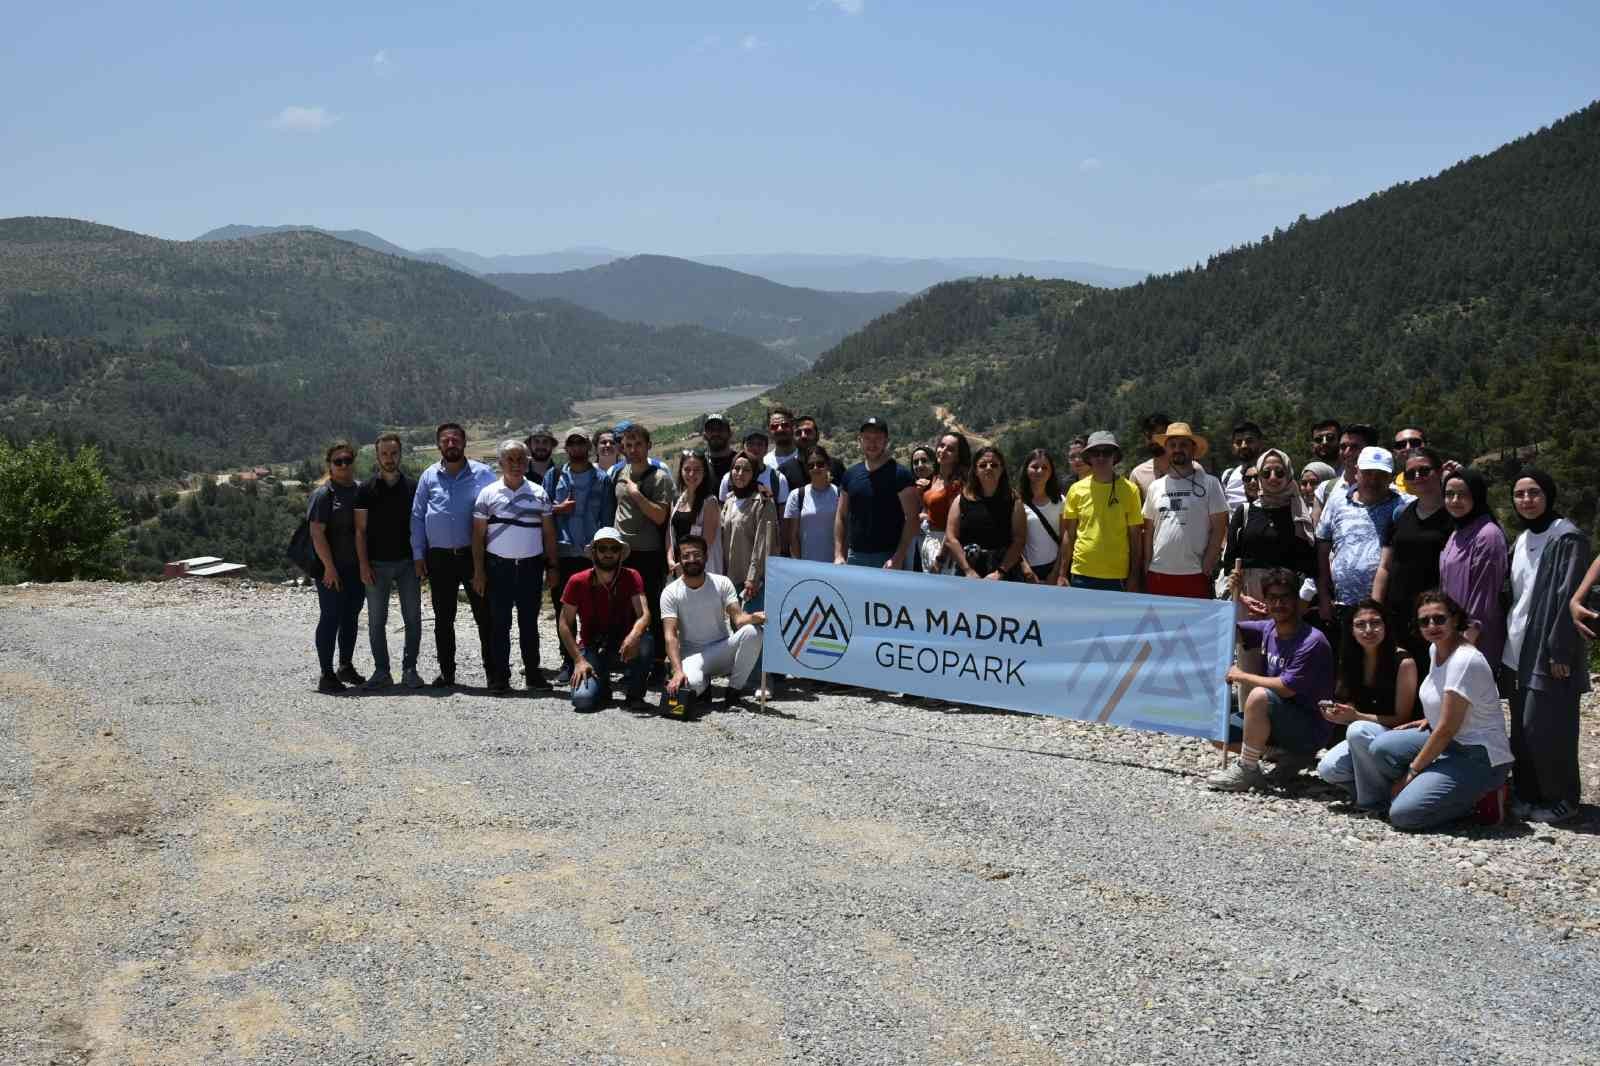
{"points": [[1143, 135]]}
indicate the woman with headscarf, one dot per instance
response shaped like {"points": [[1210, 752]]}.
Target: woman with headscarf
{"points": [[1274, 528], [1312, 475], [1545, 652], [1410, 561], [1473, 564]]}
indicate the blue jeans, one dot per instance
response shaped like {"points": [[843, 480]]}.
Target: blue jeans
{"points": [[855, 558], [339, 611], [1448, 789], [1295, 727], [1102, 584], [1337, 767], [595, 690], [514, 585], [402, 576]]}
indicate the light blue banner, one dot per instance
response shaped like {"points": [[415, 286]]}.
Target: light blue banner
{"points": [[1143, 662]]}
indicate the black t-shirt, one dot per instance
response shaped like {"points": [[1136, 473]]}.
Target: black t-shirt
{"points": [[720, 466], [335, 507], [876, 517], [388, 510], [1266, 537], [986, 522], [1414, 565]]}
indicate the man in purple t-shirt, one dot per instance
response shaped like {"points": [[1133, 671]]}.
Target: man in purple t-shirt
{"points": [[1281, 711]]}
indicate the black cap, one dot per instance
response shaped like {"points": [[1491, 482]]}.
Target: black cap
{"points": [[875, 423], [714, 418]]}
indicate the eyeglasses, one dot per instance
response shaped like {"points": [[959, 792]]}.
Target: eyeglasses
{"points": [[1350, 446], [1366, 627], [343, 460], [1274, 473], [821, 464], [1457, 494], [1099, 453], [1432, 621], [1251, 477], [1403, 443], [1419, 473], [1323, 438], [988, 466], [1528, 494]]}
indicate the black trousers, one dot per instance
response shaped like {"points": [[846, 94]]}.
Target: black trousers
{"points": [[514, 588], [567, 565], [652, 567], [448, 570]]}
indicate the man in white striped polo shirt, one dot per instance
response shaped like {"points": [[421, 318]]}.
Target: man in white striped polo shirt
{"points": [[511, 527]]}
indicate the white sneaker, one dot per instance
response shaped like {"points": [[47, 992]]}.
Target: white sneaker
{"points": [[1237, 778]]}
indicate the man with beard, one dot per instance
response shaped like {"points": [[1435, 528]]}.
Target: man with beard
{"points": [[441, 542], [577, 500], [780, 427], [708, 634], [878, 505], [644, 493], [1352, 439], [1325, 442], [541, 445], [383, 547], [806, 437], [604, 622], [1155, 465], [716, 432], [1246, 448], [1188, 519]]}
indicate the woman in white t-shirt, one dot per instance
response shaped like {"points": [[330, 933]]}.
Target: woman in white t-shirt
{"points": [[1435, 770], [808, 514], [1042, 510]]}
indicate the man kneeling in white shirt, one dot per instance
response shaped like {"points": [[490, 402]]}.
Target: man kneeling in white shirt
{"points": [[708, 634]]}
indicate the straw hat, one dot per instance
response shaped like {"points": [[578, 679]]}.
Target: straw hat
{"points": [[1181, 429]]}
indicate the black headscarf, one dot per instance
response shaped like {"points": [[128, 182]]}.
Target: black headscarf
{"points": [[1480, 496], [1548, 484]]}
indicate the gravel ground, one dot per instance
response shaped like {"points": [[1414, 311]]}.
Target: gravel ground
{"points": [[201, 860]]}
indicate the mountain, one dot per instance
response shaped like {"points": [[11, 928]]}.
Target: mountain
{"points": [[866, 273], [661, 290], [354, 236], [264, 348], [539, 263], [1459, 303]]}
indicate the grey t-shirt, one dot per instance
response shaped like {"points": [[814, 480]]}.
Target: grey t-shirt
{"points": [[814, 508], [702, 613], [655, 485]]}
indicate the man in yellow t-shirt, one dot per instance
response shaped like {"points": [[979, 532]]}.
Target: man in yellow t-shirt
{"points": [[1102, 524]]}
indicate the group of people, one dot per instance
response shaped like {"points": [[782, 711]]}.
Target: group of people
{"points": [[1367, 582]]}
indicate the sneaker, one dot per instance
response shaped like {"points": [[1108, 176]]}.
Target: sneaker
{"points": [[1555, 814], [638, 705], [380, 679], [444, 680], [411, 679], [499, 687], [537, 682], [1237, 778], [330, 685], [1288, 766], [347, 674], [564, 676]]}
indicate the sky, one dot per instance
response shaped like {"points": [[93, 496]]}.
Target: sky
{"points": [[1132, 134]]}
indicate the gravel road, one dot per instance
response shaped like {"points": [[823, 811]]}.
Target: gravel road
{"points": [[202, 860]]}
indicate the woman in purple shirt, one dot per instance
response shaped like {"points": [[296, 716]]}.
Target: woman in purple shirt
{"points": [[1474, 563]]}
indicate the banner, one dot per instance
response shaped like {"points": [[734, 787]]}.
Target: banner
{"points": [[1144, 662]]}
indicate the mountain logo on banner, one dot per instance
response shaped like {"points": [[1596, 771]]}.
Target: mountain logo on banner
{"points": [[1176, 669], [815, 624]]}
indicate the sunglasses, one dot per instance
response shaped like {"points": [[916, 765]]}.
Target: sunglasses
{"points": [[1274, 473], [1419, 473], [988, 466], [1407, 442], [1252, 477], [608, 549], [1432, 621], [1100, 453], [1324, 438], [343, 460]]}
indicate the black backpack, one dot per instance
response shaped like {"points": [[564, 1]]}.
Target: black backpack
{"points": [[303, 553]]}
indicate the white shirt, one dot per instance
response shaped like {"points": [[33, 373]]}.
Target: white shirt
{"points": [[1525, 558], [1467, 674], [702, 613], [1044, 542], [1179, 510], [516, 528], [772, 460], [768, 476]]}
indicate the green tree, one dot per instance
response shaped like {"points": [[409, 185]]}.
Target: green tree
{"points": [[58, 517]]}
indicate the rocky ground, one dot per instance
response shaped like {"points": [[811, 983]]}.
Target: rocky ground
{"points": [[202, 860]]}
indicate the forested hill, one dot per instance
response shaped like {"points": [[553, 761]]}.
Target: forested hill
{"points": [[1436, 302], [263, 348], [662, 290]]}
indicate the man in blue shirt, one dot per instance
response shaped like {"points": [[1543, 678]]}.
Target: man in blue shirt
{"points": [[441, 542], [578, 498]]}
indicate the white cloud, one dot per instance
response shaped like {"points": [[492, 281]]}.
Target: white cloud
{"points": [[303, 119], [1266, 185], [381, 66], [750, 42], [849, 7], [1091, 164]]}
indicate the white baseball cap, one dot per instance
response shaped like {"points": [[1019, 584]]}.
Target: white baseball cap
{"points": [[1376, 459]]}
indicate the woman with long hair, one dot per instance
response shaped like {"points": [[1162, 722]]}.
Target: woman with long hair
{"points": [[697, 510], [331, 513], [952, 460], [1376, 688], [1435, 769], [986, 530], [1042, 511], [1409, 563], [923, 464], [1474, 562], [1545, 653]]}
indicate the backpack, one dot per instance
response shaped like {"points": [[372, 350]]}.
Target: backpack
{"points": [[303, 553]]}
